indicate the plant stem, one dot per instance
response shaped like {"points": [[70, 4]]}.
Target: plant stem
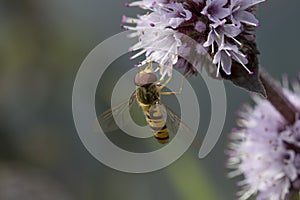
{"points": [[278, 99]]}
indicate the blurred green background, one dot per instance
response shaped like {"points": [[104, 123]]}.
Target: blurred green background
{"points": [[42, 44]]}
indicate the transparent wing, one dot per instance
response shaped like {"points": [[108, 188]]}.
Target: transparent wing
{"points": [[118, 113], [174, 121]]}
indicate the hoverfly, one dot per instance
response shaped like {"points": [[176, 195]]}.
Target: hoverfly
{"points": [[147, 95]]}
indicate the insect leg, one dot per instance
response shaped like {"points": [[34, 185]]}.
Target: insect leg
{"points": [[180, 89], [165, 83]]}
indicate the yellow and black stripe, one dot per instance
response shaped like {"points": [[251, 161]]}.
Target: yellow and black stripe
{"points": [[155, 119]]}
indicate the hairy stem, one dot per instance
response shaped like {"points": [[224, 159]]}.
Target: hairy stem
{"points": [[278, 99]]}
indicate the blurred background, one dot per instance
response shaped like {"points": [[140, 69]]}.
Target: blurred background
{"points": [[42, 45]]}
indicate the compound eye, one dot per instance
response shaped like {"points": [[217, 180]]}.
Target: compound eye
{"points": [[144, 79]]}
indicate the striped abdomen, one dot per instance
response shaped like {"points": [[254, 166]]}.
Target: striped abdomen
{"points": [[157, 122]]}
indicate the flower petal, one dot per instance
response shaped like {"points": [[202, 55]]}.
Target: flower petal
{"points": [[231, 30], [222, 13], [210, 39], [218, 3], [246, 17], [226, 63], [248, 3]]}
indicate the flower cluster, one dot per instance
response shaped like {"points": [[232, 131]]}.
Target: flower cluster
{"points": [[218, 26], [266, 150]]}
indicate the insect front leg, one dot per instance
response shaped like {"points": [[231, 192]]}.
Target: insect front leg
{"points": [[176, 93], [165, 83]]}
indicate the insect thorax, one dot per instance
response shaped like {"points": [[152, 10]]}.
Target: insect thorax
{"points": [[147, 94]]}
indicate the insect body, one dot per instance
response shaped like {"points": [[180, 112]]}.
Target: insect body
{"points": [[147, 95], [148, 98]]}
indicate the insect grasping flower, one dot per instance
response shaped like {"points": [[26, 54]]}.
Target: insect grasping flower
{"points": [[266, 151], [160, 44], [207, 22]]}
